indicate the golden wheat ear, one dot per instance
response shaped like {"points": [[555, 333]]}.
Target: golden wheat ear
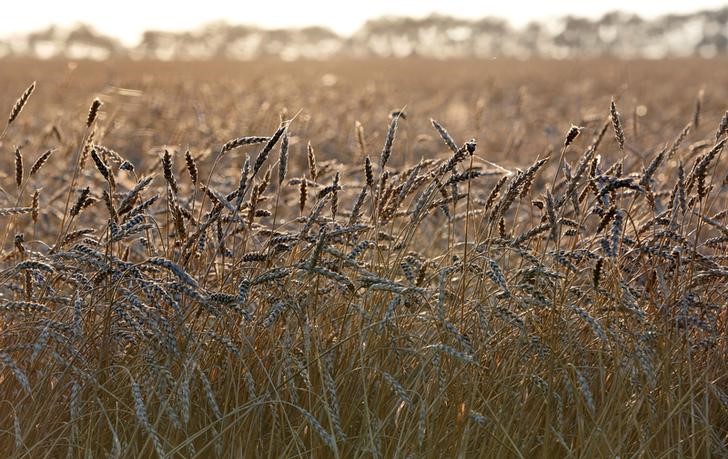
{"points": [[20, 103]]}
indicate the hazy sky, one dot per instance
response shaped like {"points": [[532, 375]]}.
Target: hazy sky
{"points": [[127, 19]]}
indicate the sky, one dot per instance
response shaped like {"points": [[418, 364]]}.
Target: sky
{"points": [[126, 20]]}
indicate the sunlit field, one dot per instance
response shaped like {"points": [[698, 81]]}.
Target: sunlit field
{"points": [[364, 258]]}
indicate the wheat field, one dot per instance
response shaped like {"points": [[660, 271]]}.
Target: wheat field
{"points": [[379, 258]]}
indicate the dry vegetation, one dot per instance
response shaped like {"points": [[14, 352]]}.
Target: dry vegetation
{"points": [[289, 260]]}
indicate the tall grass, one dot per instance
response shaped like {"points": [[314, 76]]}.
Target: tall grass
{"points": [[437, 307]]}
